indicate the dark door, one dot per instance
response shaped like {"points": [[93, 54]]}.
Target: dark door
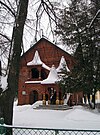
{"points": [[33, 97]]}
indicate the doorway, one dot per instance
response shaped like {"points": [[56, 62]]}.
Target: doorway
{"points": [[33, 96]]}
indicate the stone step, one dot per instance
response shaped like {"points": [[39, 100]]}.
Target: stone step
{"points": [[54, 107]]}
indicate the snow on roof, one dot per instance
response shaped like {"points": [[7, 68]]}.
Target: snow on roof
{"points": [[37, 61], [52, 77], [45, 66], [62, 64], [33, 82]]}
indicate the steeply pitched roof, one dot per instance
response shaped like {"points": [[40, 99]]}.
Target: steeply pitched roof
{"points": [[52, 77], [37, 61], [62, 64], [43, 39], [49, 54]]}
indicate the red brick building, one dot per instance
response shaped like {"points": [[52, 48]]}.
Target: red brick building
{"points": [[39, 70]]}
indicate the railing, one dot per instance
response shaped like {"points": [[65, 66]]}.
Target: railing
{"points": [[11, 130]]}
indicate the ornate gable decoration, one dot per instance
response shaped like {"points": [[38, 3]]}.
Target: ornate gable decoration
{"points": [[62, 64], [52, 77], [37, 61]]}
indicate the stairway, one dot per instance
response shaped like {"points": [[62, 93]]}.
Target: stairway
{"points": [[53, 107]]}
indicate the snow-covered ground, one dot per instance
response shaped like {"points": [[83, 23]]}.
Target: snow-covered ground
{"points": [[76, 118]]}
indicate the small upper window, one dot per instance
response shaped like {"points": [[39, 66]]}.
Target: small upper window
{"points": [[35, 73], [43, 74]]}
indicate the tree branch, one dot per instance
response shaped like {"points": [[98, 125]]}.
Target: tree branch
{"points": [[6, 37], [8, 8]]}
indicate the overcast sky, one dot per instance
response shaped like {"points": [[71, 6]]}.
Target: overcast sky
{"points": [[44, 29]]}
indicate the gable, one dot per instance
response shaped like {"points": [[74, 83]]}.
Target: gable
{"points": [[49, 53]]}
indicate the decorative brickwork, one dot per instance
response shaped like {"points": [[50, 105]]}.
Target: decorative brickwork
{"points": [[30, 87]]}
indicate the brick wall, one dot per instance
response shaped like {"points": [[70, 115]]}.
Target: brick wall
{"points": [[50, 54]]}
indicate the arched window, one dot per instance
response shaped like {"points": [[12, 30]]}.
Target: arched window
{"points": [[43, 74], [35, 73]]}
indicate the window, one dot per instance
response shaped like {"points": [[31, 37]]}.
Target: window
{"points": [[43, 74], [35, 73]]}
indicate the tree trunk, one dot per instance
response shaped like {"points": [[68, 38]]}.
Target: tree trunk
{"points": [[93, 101], [88, 96], [13, 75]]}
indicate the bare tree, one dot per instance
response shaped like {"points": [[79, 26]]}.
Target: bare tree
{"points": [[14, 14], [7, 97]]}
